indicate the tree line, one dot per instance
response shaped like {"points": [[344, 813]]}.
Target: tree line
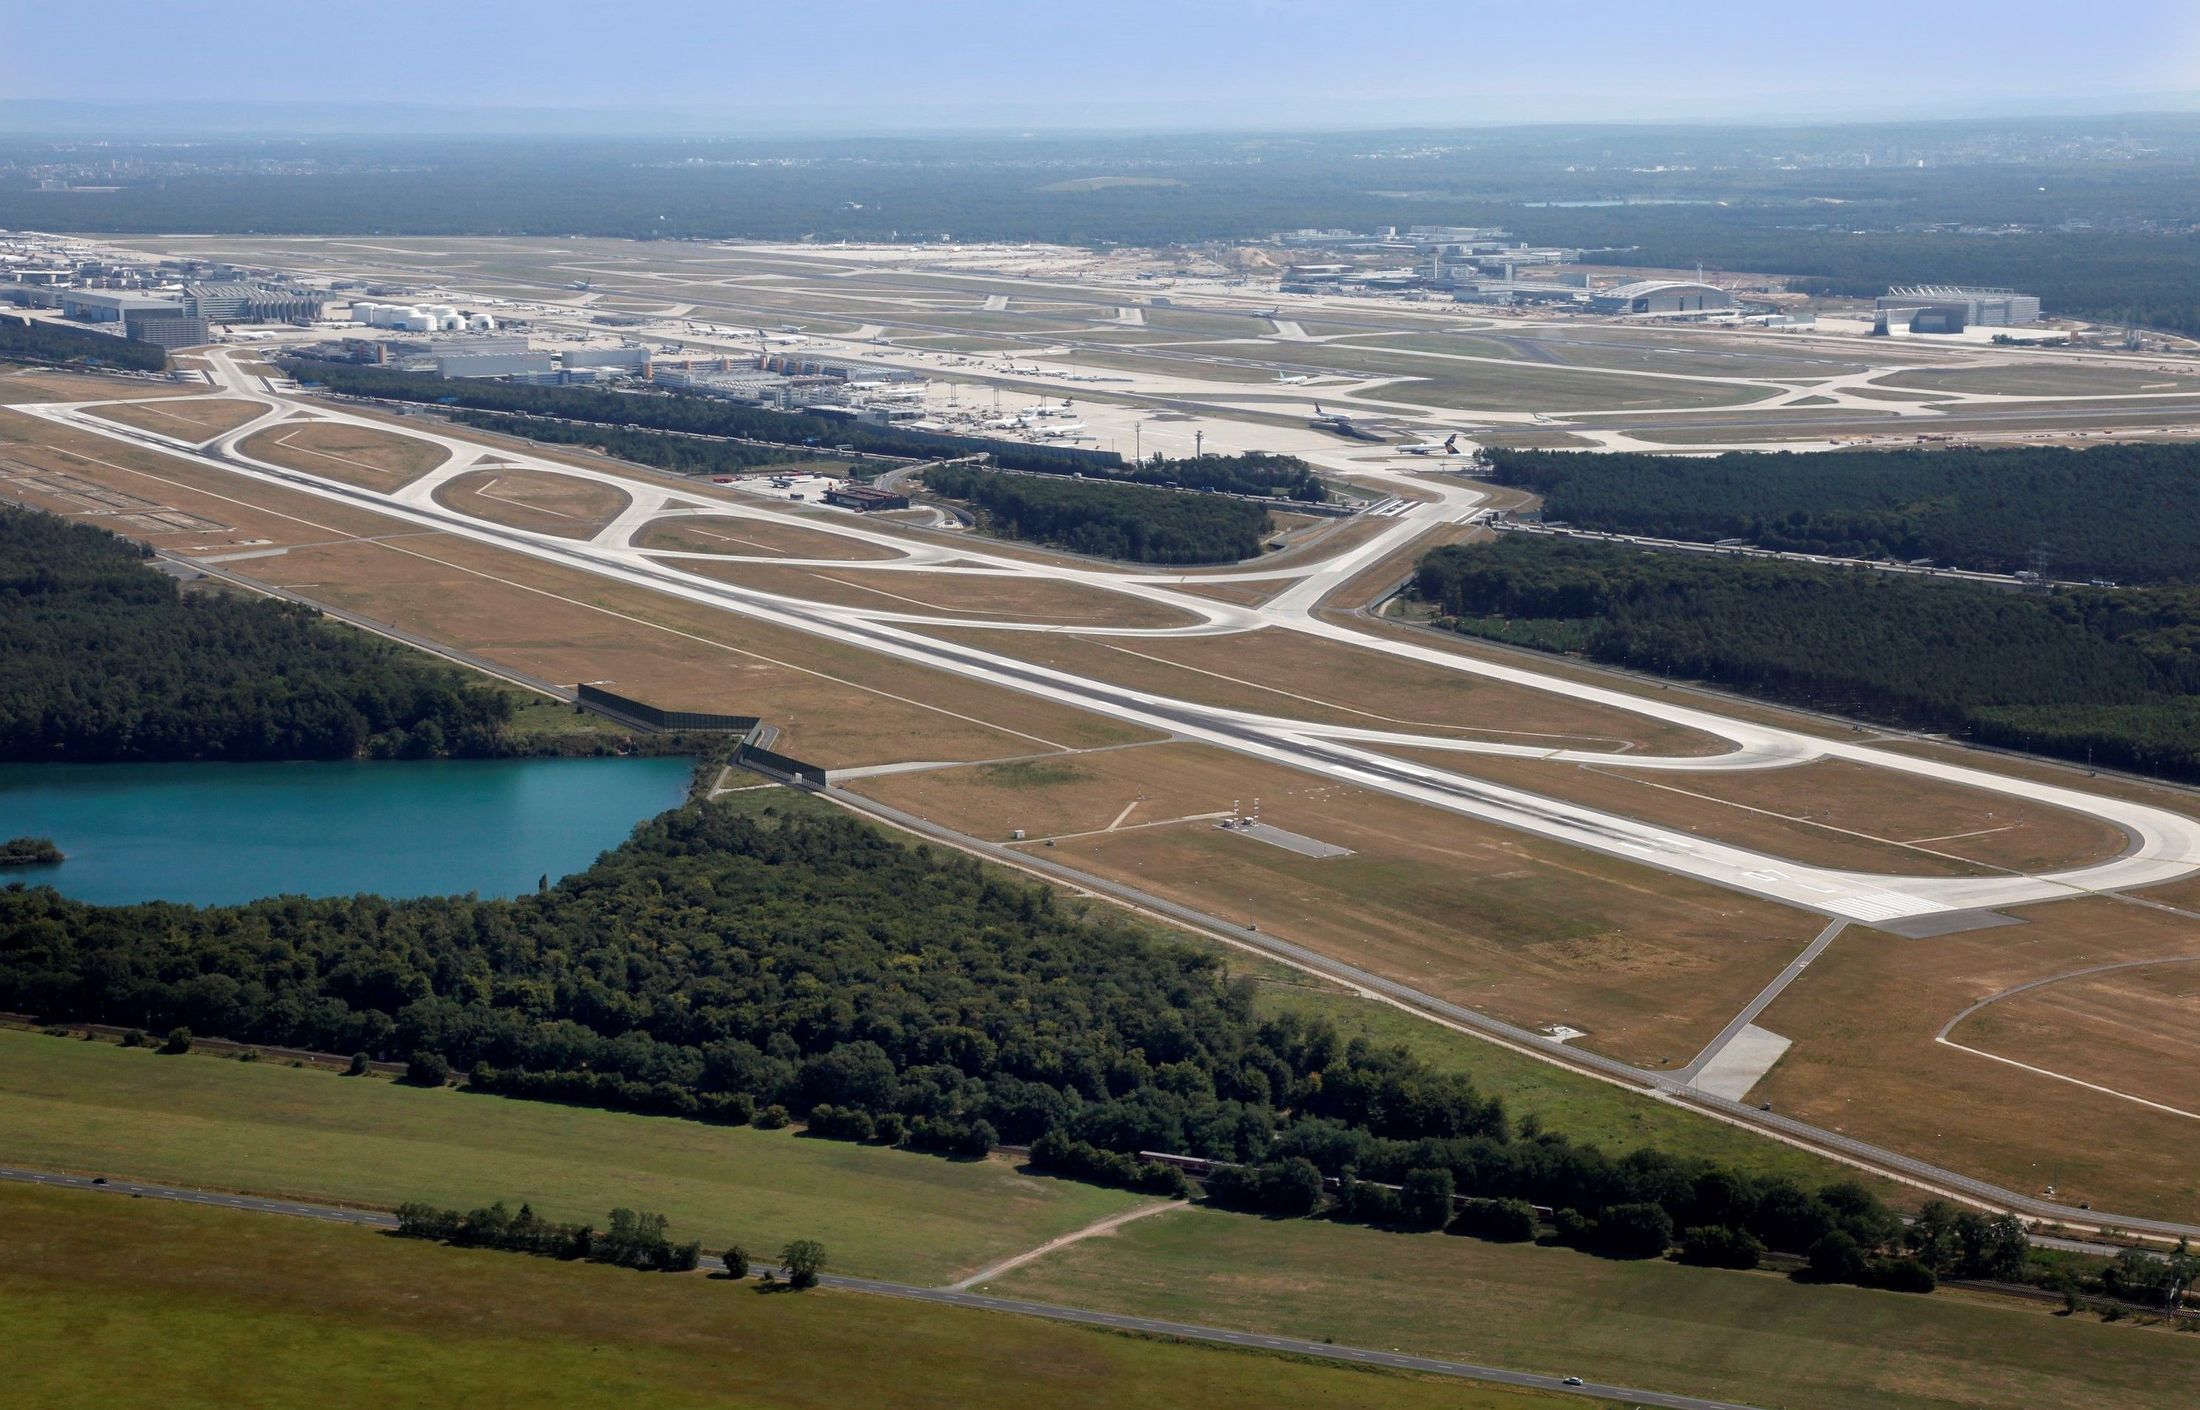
{"points": [[2090, 674], [630, 1240], [723, 964], [37, 340], [2122, 512], [685, 455], [1133, 523], [103, 659], [1256, 472], [695, 415]]}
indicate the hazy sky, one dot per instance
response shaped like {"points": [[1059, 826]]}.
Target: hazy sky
{"points": [[1151, 63]]}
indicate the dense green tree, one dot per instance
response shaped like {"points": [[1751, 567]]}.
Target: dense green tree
{"points": [[1836, 1258], [26, 340], [803, 1259], [1130, 522], [1718, 1246], [1425, 1200]]}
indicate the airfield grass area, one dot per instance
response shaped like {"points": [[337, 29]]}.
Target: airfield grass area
{"points": [[1297, 676], [743, 537], [1829, 813], [45, 384], [999, 596], [1863, 1017], [215, 1308], [192, 420], [543, 501], [267, 1128], [2034, 377], [1648, 965], [836, 705], [2132, 1030], [1757, 1338], [383, 461]]}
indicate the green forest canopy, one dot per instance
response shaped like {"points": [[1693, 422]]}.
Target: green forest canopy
{"points": [[1130, 522], [2122, 512], [726, 962], [24, 340], [104, 659], [2106, 676]]}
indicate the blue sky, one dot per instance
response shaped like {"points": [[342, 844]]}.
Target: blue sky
{"points": [[1122, 62]]}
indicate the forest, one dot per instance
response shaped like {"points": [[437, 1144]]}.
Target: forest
{"points": [[104, 659], [736, 964], [2105, 677], [1128, 522], [692, 415], [682, 454], [25, 340], [2121, 512]]}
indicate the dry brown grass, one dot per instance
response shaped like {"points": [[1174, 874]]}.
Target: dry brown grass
{"points": [[1296, 676], [46, 385], [1864, 1062], [753, 538], [356, 455], [1831, 813], [2131, 1030], [1533, 931], [192, 420], [540, 500], [1003, 596]]}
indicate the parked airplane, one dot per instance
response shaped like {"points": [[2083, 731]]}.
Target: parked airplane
{"points": [[1066, 429], [1293, 379], [1449, 445]]}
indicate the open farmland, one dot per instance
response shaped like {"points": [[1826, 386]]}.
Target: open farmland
{"points": [[348, 1318], [1753, 1337]]}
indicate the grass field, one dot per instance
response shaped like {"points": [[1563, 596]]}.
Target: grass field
{"points": [[2132, 1030], [1297, 676], [1864, 1062], [192, 420], [1000, 596], [1752, 1337], [120, 1305], [1647, 964], [1828, 813], [356, 455], [2034, 377], [751, 538], [544, 501], [268, 1128]]}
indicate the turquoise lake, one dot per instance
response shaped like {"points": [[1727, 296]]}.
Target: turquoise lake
{"points": [[219, 833]]}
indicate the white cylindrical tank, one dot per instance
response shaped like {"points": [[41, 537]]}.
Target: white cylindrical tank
{"points": [[481, 323], [362, 311], [449, 322], [412, 320]]}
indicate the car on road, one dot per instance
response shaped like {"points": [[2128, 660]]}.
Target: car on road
{"points": [[1571, 1381]]}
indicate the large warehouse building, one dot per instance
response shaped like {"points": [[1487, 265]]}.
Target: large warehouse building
{"points": [[1978, 308], [1661, 296]]}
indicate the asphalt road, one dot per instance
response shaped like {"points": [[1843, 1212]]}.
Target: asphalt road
{"points": [[1112, 1321]]}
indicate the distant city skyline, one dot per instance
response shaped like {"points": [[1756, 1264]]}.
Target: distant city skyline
{"points": [[862, 65]]}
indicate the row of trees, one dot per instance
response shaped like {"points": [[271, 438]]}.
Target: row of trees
{"points": [[36, 340], [1256, 472], [2105, 676], [103, 659], [630, 1240], [694, 415], [1128, 522], [2122, 512]]}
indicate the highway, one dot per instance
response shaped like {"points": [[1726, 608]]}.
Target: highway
{"points": [[952, 1297]]}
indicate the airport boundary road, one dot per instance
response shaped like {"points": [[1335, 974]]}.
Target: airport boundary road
{"points": [[950, 1297]]}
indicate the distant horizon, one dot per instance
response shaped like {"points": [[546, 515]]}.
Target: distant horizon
{"points": [[61, 119], [1108, 65]]}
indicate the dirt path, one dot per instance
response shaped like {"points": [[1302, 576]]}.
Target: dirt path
{"points": [[1106, 1226]]}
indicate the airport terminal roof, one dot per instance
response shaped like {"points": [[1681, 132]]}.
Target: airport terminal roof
{"points": [[1641, 287]]}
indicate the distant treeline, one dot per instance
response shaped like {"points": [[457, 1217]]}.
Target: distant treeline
{"points": [[698, 415], [28, 340], [2123, 512], [724, 963], [104, 659], [2105, 676], [1129, 522]]}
